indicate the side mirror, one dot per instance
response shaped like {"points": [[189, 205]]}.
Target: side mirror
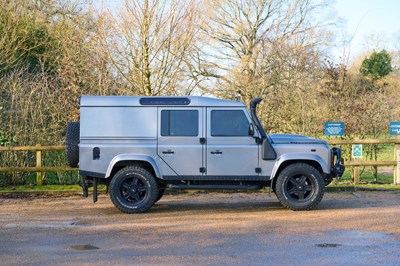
{"points": [[251, 130], [253, 134]]}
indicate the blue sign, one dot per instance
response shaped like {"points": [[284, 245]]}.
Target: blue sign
{"points": [[394, 128], [334, 128]]}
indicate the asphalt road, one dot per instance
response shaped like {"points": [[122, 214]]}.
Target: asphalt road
{"points": [[348, 228]]}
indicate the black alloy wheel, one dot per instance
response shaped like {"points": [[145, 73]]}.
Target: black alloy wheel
{"points": [[299, 187]]}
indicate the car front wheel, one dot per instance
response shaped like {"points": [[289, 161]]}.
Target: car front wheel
{"points": [[299, 187]]}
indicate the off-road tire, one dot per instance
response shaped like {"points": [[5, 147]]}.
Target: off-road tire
{"points": [[71, 144], [327, 182], [300, 187], [133, 189], [160, 194]]}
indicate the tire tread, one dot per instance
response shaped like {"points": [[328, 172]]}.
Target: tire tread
{"points": [[72, 144]]}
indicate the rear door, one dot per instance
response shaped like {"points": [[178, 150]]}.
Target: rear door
{"points": [[181, 140], [231, 151]]}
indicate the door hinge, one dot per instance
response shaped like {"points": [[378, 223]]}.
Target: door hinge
{"points": [[202, 140], [258, 170], [202, 169]]}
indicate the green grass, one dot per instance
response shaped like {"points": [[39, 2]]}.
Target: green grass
{"points": [[29, 179], [367, 177], [76, 188], [386, 153], [41, 188], [340, 186]]}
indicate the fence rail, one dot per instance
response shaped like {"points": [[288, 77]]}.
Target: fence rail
{"points": [[356, 163], [369, 141], [39, 169]]}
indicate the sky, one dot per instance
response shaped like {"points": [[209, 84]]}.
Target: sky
{"points": [[368, 24]]}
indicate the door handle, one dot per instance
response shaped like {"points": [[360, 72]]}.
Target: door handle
{"points": [[168, 152], [216, 152]]}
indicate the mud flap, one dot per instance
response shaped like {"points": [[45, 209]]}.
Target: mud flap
{"points": [[84, 183], [94, 190]]}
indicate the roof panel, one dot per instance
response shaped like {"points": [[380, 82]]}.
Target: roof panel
{"points": [[135, 101]]}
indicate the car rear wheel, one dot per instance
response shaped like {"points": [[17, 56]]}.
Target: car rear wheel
{"points": [[133, 189]]}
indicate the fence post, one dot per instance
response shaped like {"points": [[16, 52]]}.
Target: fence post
{"points": [[356, 169], [396, 172], [356, 172], [38, 164]]}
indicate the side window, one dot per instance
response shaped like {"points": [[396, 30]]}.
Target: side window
{"points": [[179, 123], [229, 123]]}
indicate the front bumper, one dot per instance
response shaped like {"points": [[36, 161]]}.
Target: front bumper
{"points": [[337, 163]]}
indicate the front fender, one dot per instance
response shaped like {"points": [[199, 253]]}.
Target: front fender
{"points": [[299, 158], [132, 158]]}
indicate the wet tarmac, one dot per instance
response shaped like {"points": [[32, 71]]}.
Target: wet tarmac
{"points": [[202, 229]]}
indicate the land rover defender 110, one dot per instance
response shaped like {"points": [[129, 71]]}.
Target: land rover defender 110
{"points": [[140, 146]]}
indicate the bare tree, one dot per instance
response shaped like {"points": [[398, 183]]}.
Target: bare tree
{"points": [[148, 43], [268, 47]]}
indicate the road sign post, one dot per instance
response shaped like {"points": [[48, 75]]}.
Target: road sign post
{"points": [[356, 154], [396, 172], [395, 131]]}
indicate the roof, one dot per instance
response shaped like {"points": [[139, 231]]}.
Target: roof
{"points": [[130, 101]]}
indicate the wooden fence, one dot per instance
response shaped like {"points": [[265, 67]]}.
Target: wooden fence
{"points": [[39, 169], [355, 163]]}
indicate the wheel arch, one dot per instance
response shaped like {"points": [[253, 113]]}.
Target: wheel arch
{"points": [[123, 160], [284, 161]]}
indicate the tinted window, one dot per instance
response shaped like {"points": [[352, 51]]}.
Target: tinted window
{"points": [[229, 123], [179, 123]]}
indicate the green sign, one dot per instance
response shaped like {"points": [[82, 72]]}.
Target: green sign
{"points": [[356, 150]]}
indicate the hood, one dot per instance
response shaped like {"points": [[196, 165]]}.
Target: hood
{"points": [[295, 139]]}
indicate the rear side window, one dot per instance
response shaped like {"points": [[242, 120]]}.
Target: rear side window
{"points": [[229, 123], [182, 123]]}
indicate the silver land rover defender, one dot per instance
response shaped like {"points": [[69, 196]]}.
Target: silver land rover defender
{"points": [[140, 146]]}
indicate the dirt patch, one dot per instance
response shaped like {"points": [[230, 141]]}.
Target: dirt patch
{"points": [[357, 228]]}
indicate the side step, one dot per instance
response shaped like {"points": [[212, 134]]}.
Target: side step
{"points": [[215, 187]]}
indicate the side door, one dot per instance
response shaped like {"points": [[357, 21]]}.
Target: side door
{"points": [[181, 140], [231, 152]]}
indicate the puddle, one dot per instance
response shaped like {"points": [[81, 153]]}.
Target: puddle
{"points": [[78, 223], [357, 237], [358, 234], [328, 245], [84, 247]]}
